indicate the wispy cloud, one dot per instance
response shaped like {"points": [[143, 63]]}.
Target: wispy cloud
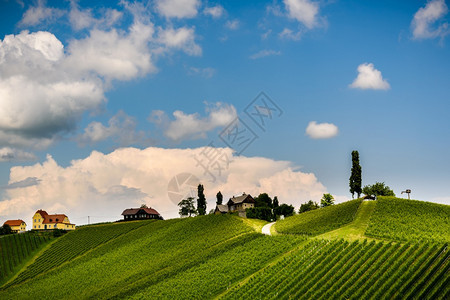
{"points": [[232, 24], [192, 126], [425, 22], [264, 53], [13, 154]]}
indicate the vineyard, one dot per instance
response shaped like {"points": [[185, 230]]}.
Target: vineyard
{"points": [[358, 270], [17, 248], [320, 220], [73, 244], [410, 220], [226, 257]]}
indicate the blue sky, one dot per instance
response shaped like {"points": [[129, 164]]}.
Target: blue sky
{"points": [[367, 76]]}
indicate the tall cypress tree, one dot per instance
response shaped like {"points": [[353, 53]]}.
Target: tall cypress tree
{"points": [[201, 201], [219, 197], [355, 177]]}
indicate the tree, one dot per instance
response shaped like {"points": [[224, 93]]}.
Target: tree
{"points": [[263, 200], [284, 210], [355, 177], [262, 213], [5, 229], [275, 202], [310, 205], [327, 200], [201, 201], [378, 189], [219, 197], [187, 207]]}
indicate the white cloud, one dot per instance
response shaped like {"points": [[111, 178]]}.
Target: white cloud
{"points": [[369, 78], [182, 38], [178, 8], [304, 11], [290, 35], [192, 126], [80, 19], [35, 15], [121, 128], [113, 55], [264, 53], [12, 154], [232, 24], [38, 97], [321, 130], [214, 11], [45, 87], [426, 17], [129, 177]]}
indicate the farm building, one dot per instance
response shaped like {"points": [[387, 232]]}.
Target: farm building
{"points": [[142, 213], [16, 225], [236, 204], [42, 221]]}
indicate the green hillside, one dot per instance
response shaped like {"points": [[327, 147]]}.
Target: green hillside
{"points": [[406, 220], [328, 256], [17, 249], [320, 220]]}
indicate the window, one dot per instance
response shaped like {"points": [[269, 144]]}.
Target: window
{"points": [[54, 225], [34, 226], [35, 220], [39, 226]]}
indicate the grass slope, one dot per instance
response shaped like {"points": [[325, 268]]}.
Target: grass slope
{"points": [[356, 229], [410, 220], [320, 220]]}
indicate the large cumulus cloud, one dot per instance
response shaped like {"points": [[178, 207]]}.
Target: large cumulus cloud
{"points": [[102, 185]]}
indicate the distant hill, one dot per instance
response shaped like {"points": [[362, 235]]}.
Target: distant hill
{"points": [[324, 254]]}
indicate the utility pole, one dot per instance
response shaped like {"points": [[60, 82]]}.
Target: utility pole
{"points": [[89, 220]]}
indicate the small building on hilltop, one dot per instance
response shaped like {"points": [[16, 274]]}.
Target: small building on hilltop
{"points": [[16, 225], [142, 213], [43, 221], [241, 203], [221, 209], [236, 204]]}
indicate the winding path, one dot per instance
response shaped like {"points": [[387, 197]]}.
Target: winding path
{"points": [[266, 228]]}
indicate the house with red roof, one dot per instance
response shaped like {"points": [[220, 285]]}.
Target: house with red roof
{"points": [[16, 225], [142, 213], [43, 221]]}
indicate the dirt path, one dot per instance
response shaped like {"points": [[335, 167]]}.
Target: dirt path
{"points": [[266, 228]]}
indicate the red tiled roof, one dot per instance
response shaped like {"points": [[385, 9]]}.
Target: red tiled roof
{"points": [[54, 219], [43, 213], [133, 211], [14, 222]]}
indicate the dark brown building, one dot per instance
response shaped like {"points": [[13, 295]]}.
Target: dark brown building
{"points": [[143, 213]]}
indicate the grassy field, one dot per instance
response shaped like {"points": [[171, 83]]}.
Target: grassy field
{"points": [[320, 220], [226, 257]]}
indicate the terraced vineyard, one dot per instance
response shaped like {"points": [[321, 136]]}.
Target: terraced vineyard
{"points": [[320, 220], [408, 220], [74, 244], [359, 270], [17, 248], [326, 255]]}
